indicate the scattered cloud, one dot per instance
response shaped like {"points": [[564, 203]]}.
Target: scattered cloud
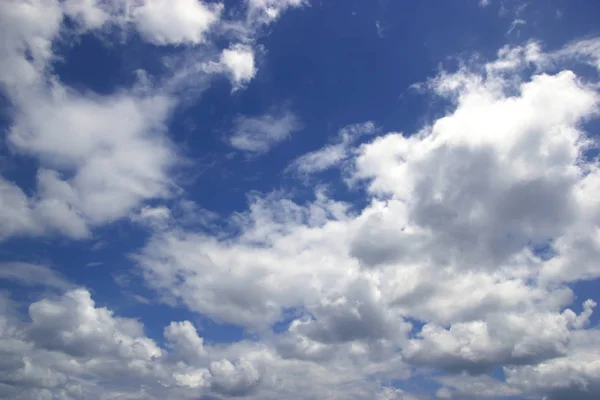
{"points": [[260, 134], [103, 156], [380, 29], [176, 22], [333, 154]]}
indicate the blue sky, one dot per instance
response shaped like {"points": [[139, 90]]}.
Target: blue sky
{"points": [[299, 199]]}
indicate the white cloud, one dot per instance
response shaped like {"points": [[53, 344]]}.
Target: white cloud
{"points": [[267, 11], [183, 338], [102, 156], [506, 339], [238, 62], [332, 154], [31, 217], [260, 134], [74, 349], [574, 376], [113, 148], [515, 26], [176, 21], [75, 325], [89, 13], [238, 379]]}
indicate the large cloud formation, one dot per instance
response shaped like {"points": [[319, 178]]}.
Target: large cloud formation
{"points": [[462, 261], [476, 226]]}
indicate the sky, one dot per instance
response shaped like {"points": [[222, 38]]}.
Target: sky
{"points": [[299, 199]]}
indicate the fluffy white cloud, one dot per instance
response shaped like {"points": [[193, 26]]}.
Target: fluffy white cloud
{"points": [[74, 349], [238, 62], [260, 134], [26, 216], [183, 338], [175, 21], [502, 339], [234, 379], [242, 281], [101, 156], [26, 26], [574, 376], [114, 146], [76, 326]]}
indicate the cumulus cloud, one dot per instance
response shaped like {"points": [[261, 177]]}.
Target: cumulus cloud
{"points": [[234, 379], [260, 134], [504, 339], [73, 348], [31, 217], [474, 226], [176, 22], [238, 62], [183, 338], [114, 145], [573, 376]]}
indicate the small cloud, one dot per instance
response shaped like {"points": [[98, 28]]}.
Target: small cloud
{"points": [[514, 25], [484, 3], [237, 62], [165, 22], [332, 154], [152, 217], [98, 245], [380, 29], [94, 264], [140, 299], [260, 134]]}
